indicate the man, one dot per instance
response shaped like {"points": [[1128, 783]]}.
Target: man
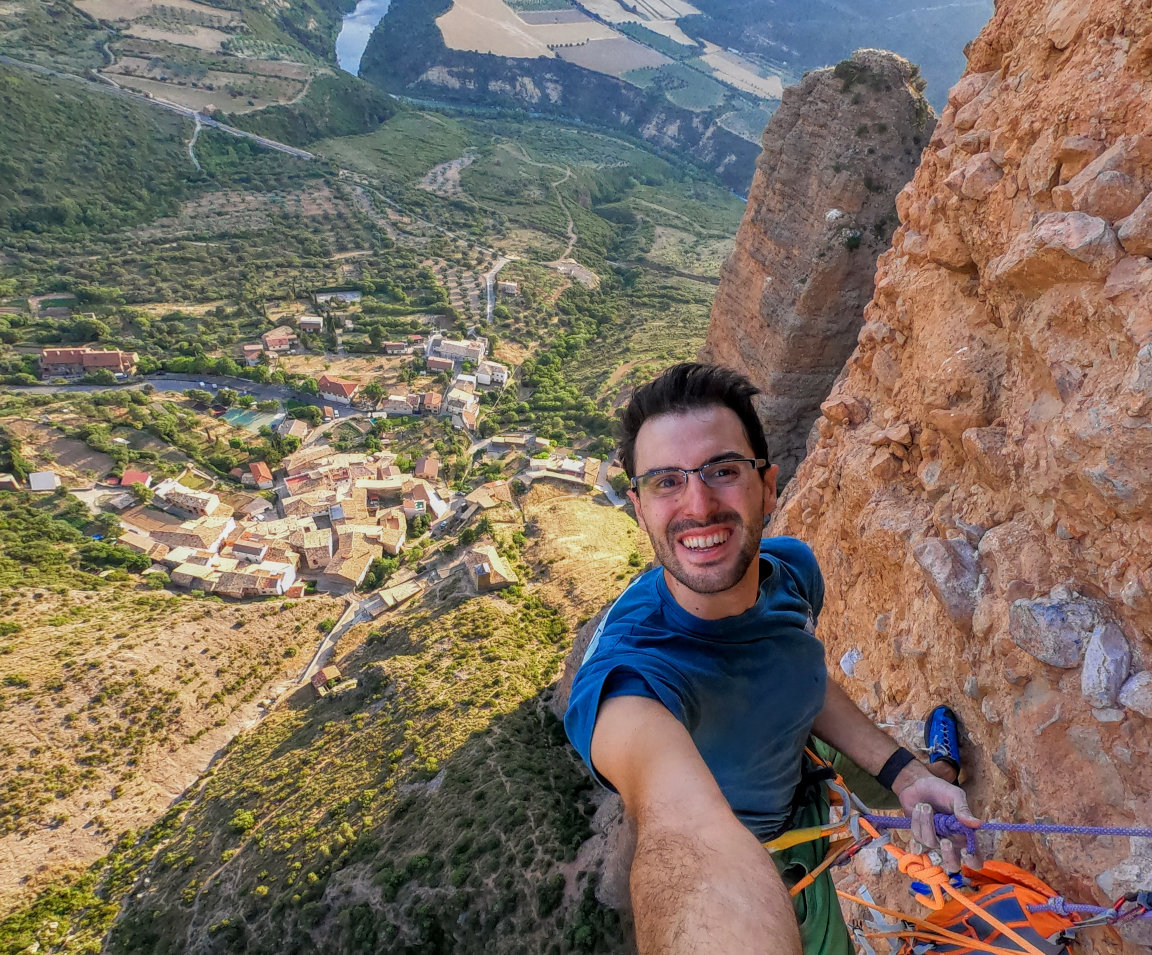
{"points": [[705, 681]]}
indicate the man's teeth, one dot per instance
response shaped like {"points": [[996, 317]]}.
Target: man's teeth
{"points": [[698, 543]]}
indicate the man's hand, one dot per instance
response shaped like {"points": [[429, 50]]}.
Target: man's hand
{"points": [[922, 795]]}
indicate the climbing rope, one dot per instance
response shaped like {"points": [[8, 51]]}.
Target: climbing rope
{"points": [[949, 825]]}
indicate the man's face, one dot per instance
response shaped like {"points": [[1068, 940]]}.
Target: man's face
{"points": [[706, 538]]}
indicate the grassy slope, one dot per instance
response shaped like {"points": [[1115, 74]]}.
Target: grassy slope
{"points": [[434, 807]]}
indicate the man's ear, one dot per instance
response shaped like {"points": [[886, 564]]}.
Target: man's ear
{"points": [[770, 489], [635, 499]]}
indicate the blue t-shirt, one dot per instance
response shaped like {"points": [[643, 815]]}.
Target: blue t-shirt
{"points": [[747, 688]]}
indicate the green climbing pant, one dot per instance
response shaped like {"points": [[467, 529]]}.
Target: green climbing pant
{"points": [[822, 927]]}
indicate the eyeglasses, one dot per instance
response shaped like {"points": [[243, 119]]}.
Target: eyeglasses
{"points": [[668, 482]]}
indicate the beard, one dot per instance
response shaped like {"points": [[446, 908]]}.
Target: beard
{"points": [[715, 579]]}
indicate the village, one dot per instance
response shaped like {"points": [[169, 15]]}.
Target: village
{"points": [[325, 519]]}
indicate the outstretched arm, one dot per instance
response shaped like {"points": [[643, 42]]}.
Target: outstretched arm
{"points": [[701, 882], [843, 726]]}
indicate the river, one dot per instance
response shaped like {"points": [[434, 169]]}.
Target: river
{"points": [[354, 34]]}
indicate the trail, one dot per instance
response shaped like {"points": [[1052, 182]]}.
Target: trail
{"points": [[192, 144]]}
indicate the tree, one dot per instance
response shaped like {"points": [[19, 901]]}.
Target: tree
{"points": [[620, 483], [373, 391], [88, 329], [226, 397], [142, 493], [199, 394]]}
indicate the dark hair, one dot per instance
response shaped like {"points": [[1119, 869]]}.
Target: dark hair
{"points": [[685, 387]]}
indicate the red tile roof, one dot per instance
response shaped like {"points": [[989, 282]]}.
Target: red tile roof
{"points": [[260, 471], [131, 477], [337, 386]]}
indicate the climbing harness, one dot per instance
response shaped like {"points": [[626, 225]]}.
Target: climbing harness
{"points": [[999, 908]]}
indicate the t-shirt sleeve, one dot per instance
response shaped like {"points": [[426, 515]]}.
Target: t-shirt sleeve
{"points": [[802, 564], [611, 672]]}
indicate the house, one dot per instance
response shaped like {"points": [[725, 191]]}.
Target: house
{"points": [[132, 476], [313, 324], [458, 400], [516, 442], [397, 405], [507, 288], [428, 467], [195, 577], [336, 389], [433, 402], [489, 570], [325, 679], [491, 495], [252, 353], [491, 373], [265, 579], [349, 565], [420, 499], [142, 544], [394, 530], [315, 546], [279, 340], [472, 350], [465, 383], [186, 501], [394, 348], [252, 551], [74, 362], [261, 474], [293, 427], [9, 483], [441, 364], [43, 480], [207, 533], [416, 402], [468, 417]]}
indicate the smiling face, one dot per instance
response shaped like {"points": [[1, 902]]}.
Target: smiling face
{"points": [[707, 539]]}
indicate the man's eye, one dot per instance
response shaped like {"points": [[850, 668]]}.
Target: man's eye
{"points": [[666, 482], [725, 471]]}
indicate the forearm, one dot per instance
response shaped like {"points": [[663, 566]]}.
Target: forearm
{"points": [[714, 889], [843, 726]]}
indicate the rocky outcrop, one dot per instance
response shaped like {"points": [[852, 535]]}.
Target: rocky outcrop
{"points": [[792, 293], [979, 484]]}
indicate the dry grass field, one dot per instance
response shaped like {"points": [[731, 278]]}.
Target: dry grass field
{"points": [[76, 463], [584, 549], [491, 26], [115, 702], [687, 252]]}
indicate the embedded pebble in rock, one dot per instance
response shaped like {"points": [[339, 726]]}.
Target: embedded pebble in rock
{"points": [[1106, 661], [1053, 630], [1136, 693], [953, 571]]}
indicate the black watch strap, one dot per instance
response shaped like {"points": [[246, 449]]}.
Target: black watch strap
{"points": [[891, 769]]}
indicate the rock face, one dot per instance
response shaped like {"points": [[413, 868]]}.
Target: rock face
{"points": [[980, 480], [791, 296]]}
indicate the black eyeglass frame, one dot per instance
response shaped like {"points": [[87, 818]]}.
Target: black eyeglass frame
{"points": [[758, 464]]}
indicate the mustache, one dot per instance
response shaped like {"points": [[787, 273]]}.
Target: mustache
{"points": [[724, 517]]}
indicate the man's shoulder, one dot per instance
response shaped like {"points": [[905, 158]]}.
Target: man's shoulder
{"points": [[788, 550]]}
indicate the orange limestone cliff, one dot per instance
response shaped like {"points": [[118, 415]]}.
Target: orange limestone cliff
{"points": [[979, 485], [792, 293]]}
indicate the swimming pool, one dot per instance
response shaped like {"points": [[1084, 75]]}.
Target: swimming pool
{"points": [[251, 420]]}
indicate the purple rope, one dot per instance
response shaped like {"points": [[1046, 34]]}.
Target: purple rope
{"points": [[948, 825], [1059, 906]]}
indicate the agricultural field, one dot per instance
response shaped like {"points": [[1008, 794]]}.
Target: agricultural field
{"points": [[615, 56], [735, 70], [491, 26]]}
